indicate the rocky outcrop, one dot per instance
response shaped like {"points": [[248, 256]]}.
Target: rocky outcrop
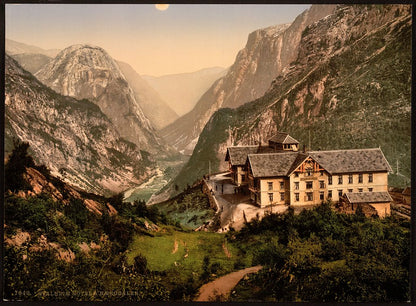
{"points": [[88, 72], [267, 54], [71, 137]]}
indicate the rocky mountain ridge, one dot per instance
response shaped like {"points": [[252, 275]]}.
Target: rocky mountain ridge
{"points": [[349, 87], [13, 47], [182, 91], [72, 137], [267, 54], [31, 62], [88, 72], [154, 107]]}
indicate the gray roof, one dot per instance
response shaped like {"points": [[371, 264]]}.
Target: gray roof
{"points": [[283, 138], [368, 197], [272, 164], [347, 161], [238, 155]]}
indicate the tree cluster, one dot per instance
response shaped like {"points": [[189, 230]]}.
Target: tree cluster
{"points": [[323, 256]]}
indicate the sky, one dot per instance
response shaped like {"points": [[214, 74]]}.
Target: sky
{"points": [[182, 38]]}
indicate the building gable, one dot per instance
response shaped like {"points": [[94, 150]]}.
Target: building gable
{"points": [[305, 163]]}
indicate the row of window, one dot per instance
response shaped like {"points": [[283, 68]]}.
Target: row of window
{"points": [[270, 185], [351, 179], [309, 173], [309, 195], [282, 196]]}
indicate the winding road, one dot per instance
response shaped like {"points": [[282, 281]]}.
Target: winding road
{"points": [[223, 285]]}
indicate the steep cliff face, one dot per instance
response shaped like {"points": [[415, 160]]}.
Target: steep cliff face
{"points": [[72, 137], [154, 107], [182, 91], [349, 87], [267, 54], [88, 72]]}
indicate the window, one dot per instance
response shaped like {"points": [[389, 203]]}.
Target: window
{"points": [[271, 197], [329, 194], [309, 173], [370, 177], [296, 185], [309, 184], [270, 185], [340, 193], [370, 189], [243, 177], [309, 196], [360, 190], [297, 197], [296, 174], [349, 190], [321, 196], [322, 173], [282, 185], [330, 180], [321, 184], [350, 180], [282, 196], [360, 178], [339, 179]]}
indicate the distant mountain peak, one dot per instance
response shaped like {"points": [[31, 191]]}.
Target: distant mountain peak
{"points": [[85, 71]]}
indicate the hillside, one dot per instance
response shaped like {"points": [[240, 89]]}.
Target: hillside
{"points": [[72, 137], [31, 62], [182, 91], [14, 47], [267, 54], [154, 107], [348, 88], [62, 243]]}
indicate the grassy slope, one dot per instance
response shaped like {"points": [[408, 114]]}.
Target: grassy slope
{"points": [[188, 264], [191, 208]]}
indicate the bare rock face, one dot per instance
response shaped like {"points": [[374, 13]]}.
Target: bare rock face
{"points": [[73, 138], [267, 54], [88, 72]]}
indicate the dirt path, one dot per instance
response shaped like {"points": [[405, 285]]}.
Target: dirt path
{"points": [[226, 251], [223, 285], [175, 247]]}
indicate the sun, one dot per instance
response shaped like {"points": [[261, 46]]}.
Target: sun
{"points": [[162, 7]]}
